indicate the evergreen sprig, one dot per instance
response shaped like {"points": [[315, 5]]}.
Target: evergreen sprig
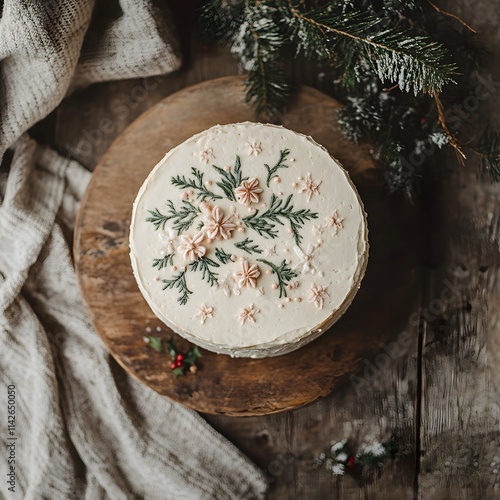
{"points": [[179, 282], [246, 245], [359, 47], [230, 180], [182, 218], [271, 171], [197, 184], [415, 63], [203, 264], [258, 43], [164, 261], [284, 274], [223, 256], [265, 223]]}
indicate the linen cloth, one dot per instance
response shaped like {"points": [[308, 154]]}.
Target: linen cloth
{"points": [[85, 428]]}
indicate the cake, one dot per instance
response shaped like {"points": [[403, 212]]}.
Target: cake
{"points": [[248, 240]]}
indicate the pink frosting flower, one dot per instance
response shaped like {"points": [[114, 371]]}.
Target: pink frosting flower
{"points": [[247, 275], [218, 225], [309, 187], [190, 246], [248, 192], [317, 295], [248, 313]]}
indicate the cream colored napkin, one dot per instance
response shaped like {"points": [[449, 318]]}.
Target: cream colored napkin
{"points": [[84, 428]]}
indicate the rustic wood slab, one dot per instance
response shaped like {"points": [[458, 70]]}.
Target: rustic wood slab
{"points": [[224, 385]]}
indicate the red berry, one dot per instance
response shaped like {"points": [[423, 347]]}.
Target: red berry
{"points": [[350, 461], [180, 357], [178, 364], [173, 366]]}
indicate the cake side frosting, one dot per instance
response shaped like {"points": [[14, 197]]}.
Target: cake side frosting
{"points": [[247, 237]]}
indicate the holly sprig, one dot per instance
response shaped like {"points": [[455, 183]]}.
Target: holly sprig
{"points": [[271, 171], [196, 184], [182, 218], [283, 272], [265, 223], [342, 458], [181, 362]]}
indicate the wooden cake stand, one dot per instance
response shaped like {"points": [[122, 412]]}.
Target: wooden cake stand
{"points": [[224, 385]]}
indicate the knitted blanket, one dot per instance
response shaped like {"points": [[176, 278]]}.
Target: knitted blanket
{"points": [[73, 424]]}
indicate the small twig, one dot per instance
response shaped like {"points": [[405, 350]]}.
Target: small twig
{"points": [[394, 87], [449, 14], [442, 121]]}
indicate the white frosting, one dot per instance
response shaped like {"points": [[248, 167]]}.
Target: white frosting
{"points": [[329, 258]]}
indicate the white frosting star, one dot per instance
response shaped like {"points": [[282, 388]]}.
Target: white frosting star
{"points": [[229, 285], [306, 259], [271, 251], [169, 240]]}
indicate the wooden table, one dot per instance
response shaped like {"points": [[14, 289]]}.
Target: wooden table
{"points": [[437, 396]]}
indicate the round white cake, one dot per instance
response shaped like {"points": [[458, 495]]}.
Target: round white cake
{"points": [[248, 240]]}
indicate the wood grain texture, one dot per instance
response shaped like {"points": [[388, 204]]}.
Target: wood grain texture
{"points": [[224, 385]]}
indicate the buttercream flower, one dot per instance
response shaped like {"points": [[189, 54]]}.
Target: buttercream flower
{"points": [[309, 187], [306, 259], [254, 148], [248, 313], [191, 246], [247, 275], [334, 222], [204, 313], [168, 239], [228, 285], [218, 225], [206, 155], [248, 192], [317, 295]]}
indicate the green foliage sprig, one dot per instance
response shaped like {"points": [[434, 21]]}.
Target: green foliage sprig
{"points": [[202, 192], [271, 171], [182, 218], [246, 246], [230, 180], [265, 223], [283, 272]]}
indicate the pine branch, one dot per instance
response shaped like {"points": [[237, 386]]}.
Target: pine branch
{"points": [[271, 171], [263, 223], [197, 184], [179, 282], [415, 63], [488, 150], [203, 264], [164, 261], [284, 273], [258, 42], [246, 246], [223, 257], [182, 218], [158, 219], [230, 180]]}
